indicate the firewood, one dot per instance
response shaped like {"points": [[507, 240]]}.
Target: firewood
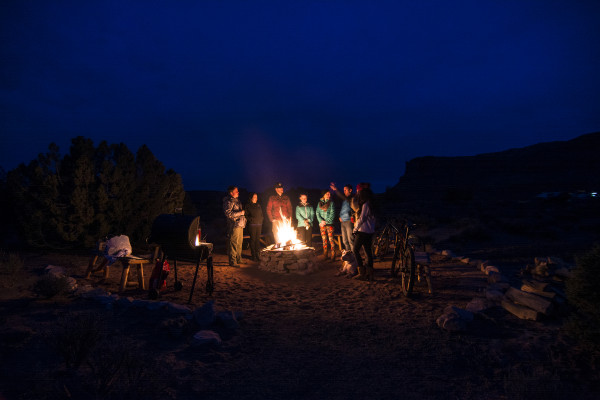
{"points": [[519, 311], [537, 287], [530, 300]]}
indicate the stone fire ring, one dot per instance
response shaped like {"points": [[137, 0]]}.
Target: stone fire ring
{"points": [[302, 261]]}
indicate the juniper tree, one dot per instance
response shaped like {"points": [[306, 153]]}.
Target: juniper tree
{"points": [[90, 193]]}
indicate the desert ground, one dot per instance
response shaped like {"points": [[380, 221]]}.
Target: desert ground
{"points": [[318, 336]]}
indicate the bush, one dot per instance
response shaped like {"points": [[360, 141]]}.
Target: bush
{"points": [[10, 263], [77, 337], [49, 286], [583, 294]]}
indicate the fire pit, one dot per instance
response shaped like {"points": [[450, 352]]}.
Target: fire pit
{"points": [[288, 255], [286, 261]]}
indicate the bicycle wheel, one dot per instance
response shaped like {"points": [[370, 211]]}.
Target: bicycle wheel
{"points": [[407, 271], [380, 245], [396, 261]]}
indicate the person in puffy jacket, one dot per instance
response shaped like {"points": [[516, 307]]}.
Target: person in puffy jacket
{"points": [[346, 215], [236, 221], [305, 215], [325, 212], [278, 207], [254, 216]]}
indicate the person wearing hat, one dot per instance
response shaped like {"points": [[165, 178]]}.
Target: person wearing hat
{"points": [[278, 207], [325, 212]]}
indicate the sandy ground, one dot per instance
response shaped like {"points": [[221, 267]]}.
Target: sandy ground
{"points": [[301, 337]]}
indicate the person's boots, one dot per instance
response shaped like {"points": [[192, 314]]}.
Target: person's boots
{"points": [[369, 274], [362, 274], [332, 255]]}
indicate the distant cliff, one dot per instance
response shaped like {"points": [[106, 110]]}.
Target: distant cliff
{"points": [[561, 166]]}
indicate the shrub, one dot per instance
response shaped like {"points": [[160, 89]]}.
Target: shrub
{"points": [[10, 263], [583, 294], [77, 337], [49, 285]]}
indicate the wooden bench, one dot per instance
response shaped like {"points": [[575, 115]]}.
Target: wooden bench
{"points": [[126, 263], [423, 263]]}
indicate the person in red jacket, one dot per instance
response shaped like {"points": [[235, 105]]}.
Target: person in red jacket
{"points": [[278, 205]]}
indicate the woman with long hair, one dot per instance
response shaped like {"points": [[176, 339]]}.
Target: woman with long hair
{"points": [[325, 212], [254, 215], [364, 228]]}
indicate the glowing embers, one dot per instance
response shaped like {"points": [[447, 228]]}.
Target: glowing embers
{"points": [[286, 237]]}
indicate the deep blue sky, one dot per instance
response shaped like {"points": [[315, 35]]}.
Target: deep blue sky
{"points": [[303, 92]]}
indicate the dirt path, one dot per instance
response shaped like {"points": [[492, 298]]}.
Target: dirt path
{"points": [[321, 336]]}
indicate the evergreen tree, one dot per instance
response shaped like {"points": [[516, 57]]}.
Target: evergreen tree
{"points": [[90, 193]]}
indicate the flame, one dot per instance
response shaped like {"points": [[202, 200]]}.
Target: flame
{"points": [[197, 243], [286, 234]]}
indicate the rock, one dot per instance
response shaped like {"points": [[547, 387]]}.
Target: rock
{"points": [[496, 277], [451, 322], [478, 304], [499, 286], [178, 308], [205, 315], [88, 292], [227, 318], [124, 301], [563, 272], [156, 305], [139, 303], [491, 268], [72, 284], [104, 299], [239, 315], [494, 296], [175, 326], [448, 253], [463, 314], [206, 337], [55, 271]]}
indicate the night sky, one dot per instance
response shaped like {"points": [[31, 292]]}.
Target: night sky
{"points": [[303, 92]]}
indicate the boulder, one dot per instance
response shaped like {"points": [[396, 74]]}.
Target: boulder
{"points": [[205, 315], [228, 320], [206, 337]]}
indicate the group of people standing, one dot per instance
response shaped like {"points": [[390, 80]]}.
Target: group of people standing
{"points": [[357, 220]]}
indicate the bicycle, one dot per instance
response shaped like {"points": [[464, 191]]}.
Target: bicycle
{"points": [[403, 260]]}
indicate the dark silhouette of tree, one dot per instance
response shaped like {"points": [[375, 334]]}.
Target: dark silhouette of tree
{"points": [[89, 193]]}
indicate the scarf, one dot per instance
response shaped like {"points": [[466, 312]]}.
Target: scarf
{"points": [[324, 205]]}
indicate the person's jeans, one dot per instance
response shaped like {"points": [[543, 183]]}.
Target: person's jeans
{"points": [[305, 235], [255, 231], [234, 249], [365, 240], [347, 227]]}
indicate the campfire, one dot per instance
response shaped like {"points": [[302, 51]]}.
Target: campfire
{"points": [[288, 254], [286, 236]]}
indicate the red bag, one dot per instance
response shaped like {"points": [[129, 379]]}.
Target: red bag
{"points": [[158, 279]]}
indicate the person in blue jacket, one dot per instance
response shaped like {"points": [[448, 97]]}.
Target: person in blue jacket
{"points": [[325, 212], [346, 215], [305, 215]]}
